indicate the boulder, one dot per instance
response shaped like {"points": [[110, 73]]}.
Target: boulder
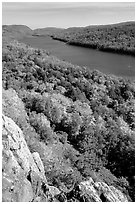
{"points": [[101, 192], [54, 191], [105, 192], [87, 189]]}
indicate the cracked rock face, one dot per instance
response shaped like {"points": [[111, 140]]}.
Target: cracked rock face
{"points": [[15, 143], [39, 164], [16, 188], [17, 162], [23, 175], [101, 192]]}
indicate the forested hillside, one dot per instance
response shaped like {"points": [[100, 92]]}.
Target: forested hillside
{"points": [[11, 32], [47, 31], [118, 38], [81, 122]]}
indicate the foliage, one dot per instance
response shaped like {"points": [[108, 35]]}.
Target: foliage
{"points": [[84, 116], [115, 38]]}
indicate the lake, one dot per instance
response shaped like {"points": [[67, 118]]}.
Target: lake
{"points": [[109, 63]]}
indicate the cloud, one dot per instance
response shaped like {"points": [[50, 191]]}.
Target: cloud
{"points": [[67, 14], [35, 6]]}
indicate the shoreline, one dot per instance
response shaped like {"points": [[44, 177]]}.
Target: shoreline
{"points": [[93, 46], [130, 78]]}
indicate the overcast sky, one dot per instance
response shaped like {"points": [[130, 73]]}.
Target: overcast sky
{"points": [[38, 15]]}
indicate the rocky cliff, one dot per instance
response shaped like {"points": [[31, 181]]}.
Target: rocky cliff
{"points": [[23, 176], [68, 132]]}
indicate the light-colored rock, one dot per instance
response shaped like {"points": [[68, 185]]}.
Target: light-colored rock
{"points": [[9, 163], [16, 189], [54, 191], [110, 192], [39, 163], [24, 175], [37, 199], [13, 137], [17, 163], [26, 193], [104, 189], [119, 194], [101, 192], [88, 189]]}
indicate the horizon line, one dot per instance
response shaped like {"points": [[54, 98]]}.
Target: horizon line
{"points": [[70, 26]]}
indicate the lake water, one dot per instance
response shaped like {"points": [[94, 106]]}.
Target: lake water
{"points": [[109, 63]]}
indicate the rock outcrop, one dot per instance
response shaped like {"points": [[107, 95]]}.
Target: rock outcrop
{"points": [[100, 192], [17, 145], [23, 173], [39, 163]]}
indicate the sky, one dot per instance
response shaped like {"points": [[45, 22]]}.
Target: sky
{"points": [[64, 15]]}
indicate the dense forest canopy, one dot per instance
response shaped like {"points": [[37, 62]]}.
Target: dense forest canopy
{"points": [[118, 38], [46, 31], [12, 32], [84, 118]]}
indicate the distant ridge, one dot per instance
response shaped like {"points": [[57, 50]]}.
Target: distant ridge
{"points": [[68, 131], [18, 31], [23, 29], [47, 31], [10, 32], [118, 37]]}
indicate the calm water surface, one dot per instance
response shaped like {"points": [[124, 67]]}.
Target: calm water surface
{"points": [[109, 63]]}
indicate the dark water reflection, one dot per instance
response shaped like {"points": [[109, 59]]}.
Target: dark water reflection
{"points": [[109, 63]]}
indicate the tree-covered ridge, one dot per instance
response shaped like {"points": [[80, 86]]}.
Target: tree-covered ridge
{"points": [[46, 31], [116, 38], [80, 121], [11, 32]]}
